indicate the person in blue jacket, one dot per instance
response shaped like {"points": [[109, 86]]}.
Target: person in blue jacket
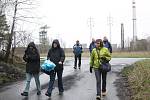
{"points": [[77, 50], [107, 44], [92, 45]]}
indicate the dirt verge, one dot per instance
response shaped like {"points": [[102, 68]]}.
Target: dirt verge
{"points": [[123, 88]]}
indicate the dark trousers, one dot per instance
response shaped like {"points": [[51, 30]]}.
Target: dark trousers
{"points": [[98, 74], [77, 57], [52, 80]]}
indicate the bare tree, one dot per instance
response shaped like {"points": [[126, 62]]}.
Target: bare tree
{"points": [[2, 6], [23, 39], [11, 33], [16, 17]]}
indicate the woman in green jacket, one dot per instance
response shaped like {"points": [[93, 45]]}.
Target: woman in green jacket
{"points": [[98, 54]]}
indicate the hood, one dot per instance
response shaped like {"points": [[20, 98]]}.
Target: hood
{"points": [[105, 40], [32, 44], [57, 42]]}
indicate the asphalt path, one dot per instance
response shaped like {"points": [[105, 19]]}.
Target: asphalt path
{"points": [[79, 84]]}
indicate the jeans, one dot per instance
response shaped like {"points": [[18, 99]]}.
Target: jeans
{"points": [[98, 74], [52, 80], [75, 62], [28, 80]]}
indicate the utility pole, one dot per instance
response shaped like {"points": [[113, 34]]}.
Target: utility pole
{"points": [[110, 23], [134, 25], [91, 25]]}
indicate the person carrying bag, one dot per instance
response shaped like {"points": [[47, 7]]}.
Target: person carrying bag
{"points": [[98, 55], [56, 54]]}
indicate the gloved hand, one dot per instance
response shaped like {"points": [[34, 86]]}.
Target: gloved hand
{"points": [[103, 58], [91, 69]]}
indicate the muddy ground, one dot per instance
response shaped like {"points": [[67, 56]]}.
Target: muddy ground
{"points": [[123, 88]]}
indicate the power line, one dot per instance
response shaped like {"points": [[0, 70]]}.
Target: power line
{"points": [[91, 25], [110, 23]]}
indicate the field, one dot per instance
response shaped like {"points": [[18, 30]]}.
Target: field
{"points": [[119, 54], [140, 54]]}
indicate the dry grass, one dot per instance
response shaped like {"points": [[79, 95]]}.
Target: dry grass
{"points": [[139, 79], [141, 54]]}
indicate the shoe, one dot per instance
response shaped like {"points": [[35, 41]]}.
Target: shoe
{"points": [[79, 67], [24, 94], [104, 93], [39, 93], [60, 93], [75, 67], [48, 94], [98, 97]]}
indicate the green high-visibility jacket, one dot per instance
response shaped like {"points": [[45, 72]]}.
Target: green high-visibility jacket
{"points": [[103, 52]]}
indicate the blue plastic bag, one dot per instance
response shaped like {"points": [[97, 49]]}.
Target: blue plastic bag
{"points": [[47, 66]]}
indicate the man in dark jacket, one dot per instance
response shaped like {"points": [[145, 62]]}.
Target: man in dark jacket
{"points": [[92, 45], [77, 50], [107, 44], [57, 56], [32, 59]]}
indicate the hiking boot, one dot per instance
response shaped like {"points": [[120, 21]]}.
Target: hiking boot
{"points": [[75, 67], [39, 93], [24, 94], [98, 97], [104, 93], [48, 94], [60, 93]]}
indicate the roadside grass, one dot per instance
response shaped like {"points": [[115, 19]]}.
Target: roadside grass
{"points": [[11, 73], [138, 75]]}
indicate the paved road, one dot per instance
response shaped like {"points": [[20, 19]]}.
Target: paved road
{"points": [[78, 84]]}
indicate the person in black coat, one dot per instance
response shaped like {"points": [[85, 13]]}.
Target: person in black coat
{"points": [[32, 59], [92, 45], [57, 56]]}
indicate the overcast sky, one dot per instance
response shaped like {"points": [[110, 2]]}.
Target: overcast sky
{"points": [[69, 19]]}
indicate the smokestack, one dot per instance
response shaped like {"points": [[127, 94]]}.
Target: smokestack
{"points": [[122, 36], [134, 23]]}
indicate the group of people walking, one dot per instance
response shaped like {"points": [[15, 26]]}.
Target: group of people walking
{"points": [[32, 58], [98, 49]]}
